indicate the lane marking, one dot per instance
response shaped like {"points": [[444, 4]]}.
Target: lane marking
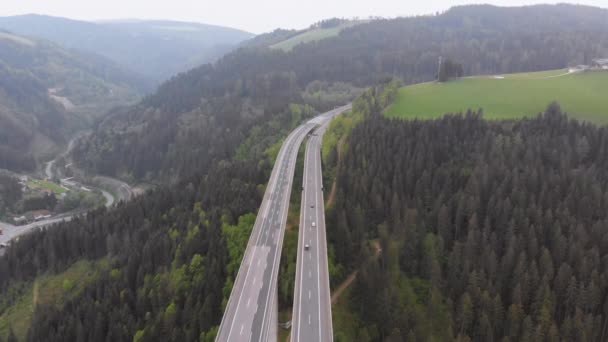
{"points": [[302, 239], [274, 271], [318, 169]]}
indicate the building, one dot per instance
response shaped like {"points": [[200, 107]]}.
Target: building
{"points": [[38, 215], [600, 63], [20, 219]]}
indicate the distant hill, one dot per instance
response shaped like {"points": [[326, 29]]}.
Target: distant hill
{"points": [[48, 92], [172, 253], [156, 49], [199, 117], [286, 40]]}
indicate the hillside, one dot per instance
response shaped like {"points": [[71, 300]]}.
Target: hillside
{"points": [[154, 139], [47, 92], [508, 96], [407, 189], [156, 49], [487, 230], [326, 29]]}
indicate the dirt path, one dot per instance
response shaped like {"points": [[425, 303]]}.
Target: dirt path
{"points": [[351, 278], [569, 72], [36, 292], [345, 284]]}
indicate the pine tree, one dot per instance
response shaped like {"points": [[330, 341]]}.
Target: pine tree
{"points": [[11, 335]]}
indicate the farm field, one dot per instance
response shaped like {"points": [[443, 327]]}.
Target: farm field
{"points": [[581, 95], [312, 35], [42, 184]]}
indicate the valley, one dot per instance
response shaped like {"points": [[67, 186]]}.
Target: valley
{"points": [[73, 193], [462, 195]]}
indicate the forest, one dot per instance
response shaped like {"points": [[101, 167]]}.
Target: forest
{"points": [[153, 140], [172, 253], [168, 263], [10, 193], [488, 231]]}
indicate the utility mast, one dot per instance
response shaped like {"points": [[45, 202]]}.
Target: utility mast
{"points": [[439, 67]]}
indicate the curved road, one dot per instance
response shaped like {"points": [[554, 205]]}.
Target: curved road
{"points": [[251, 313], [122, 190]]}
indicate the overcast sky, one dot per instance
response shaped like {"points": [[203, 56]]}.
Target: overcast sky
{"points": [[256, 16]]}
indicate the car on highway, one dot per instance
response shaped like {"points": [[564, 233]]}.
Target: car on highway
{"points": [[306, 247], [312, 205], [314, 224]]}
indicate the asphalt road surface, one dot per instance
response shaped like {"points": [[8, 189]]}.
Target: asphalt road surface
{"points": [[311, 320], [249, 310], [10, 232], [251, 313], [122, 189]]}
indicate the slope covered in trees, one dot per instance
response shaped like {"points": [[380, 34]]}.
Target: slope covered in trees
{"points": [[489, 231], [168, 263], [154, 139], [47, 92], [171, 266], [172, 254]]}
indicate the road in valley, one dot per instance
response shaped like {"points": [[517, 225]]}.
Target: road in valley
{"points": [[311, 319], [48, 170], [10, 231], [251, 313], [122, 190]]}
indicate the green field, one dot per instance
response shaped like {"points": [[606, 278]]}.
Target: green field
{"points": [[42, 184], [311, 36], [581, 95]]}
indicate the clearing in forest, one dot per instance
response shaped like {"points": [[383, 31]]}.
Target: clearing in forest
{"points": [[582, 95]]}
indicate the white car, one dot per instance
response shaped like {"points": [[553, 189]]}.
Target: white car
{"points": [[314, 224], [306, 247]]}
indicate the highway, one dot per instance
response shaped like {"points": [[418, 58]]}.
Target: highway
{"points": [[251, 312], [311, 319]]}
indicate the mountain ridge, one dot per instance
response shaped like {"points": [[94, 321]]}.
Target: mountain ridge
{"points": [[152, 48]]}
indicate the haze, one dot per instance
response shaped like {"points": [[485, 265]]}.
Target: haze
{"points": [[254, 16]]}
